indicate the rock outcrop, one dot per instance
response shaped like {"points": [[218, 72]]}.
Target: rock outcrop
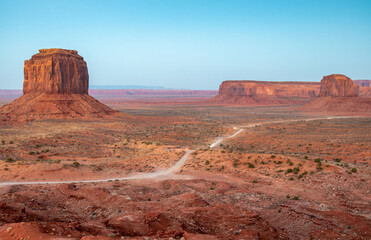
{"points": [[337, 85], [56, 84], [56, 71], [266, 93], [339, 94]]}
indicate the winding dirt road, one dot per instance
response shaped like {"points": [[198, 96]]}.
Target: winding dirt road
{"points": [[170, 173]]}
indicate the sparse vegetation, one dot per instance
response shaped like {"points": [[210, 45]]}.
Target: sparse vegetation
{"points": [[250, 165]]}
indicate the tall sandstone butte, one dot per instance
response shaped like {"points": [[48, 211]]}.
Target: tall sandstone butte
{"points": [[339, 94], [56, 71], [56, 84], [337, 85]]}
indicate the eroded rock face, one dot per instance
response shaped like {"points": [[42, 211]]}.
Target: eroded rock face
{"points": [[56, 84], [267, 92], [56, 71], [340, 95], [337, 85]]}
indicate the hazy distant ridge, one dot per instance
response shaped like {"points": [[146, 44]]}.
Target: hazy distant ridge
{"points": [[125, 87]]}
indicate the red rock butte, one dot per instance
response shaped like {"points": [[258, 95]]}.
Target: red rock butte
{"points": [[56, 84], [338, 85], [56, 70], [340, 94]]}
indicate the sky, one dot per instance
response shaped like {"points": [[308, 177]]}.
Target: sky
{"points": [[191, 44]]}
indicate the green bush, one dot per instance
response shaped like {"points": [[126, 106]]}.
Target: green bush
{"points": [[75, 164], [354, 170], [295, 198], [251, 165], [9, 160]]}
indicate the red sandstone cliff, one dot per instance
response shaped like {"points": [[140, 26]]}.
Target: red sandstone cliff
{"points": [[55, 86], [337, 85], [266, 93], [56, 71]]}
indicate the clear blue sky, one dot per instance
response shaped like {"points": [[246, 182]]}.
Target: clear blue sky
{"points": [[191, 44]]}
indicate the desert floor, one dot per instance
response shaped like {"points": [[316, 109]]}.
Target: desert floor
{"points": [[285, 175]]}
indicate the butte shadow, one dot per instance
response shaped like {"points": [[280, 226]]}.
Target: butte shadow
{"points": [[56, 85]]}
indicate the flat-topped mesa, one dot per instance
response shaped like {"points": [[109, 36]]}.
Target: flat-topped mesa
{"points": [[268, 88], [266, 92], [56, 70], [338, 85]]}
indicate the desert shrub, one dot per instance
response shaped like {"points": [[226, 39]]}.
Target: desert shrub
{"points": [[354, 170], [337, 160], [273, 156], [289, 170], [75, 164], [305, 157], [295, 198], [287, 196], [31, 153], [291, 163], [207, 162], [251, 165], [235, 164], [3, 142], [317, 160], [9, 160]]}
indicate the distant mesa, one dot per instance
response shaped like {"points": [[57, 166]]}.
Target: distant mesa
{"points": [[56, 85], [266, 93], [340, 94], [363, 83]]}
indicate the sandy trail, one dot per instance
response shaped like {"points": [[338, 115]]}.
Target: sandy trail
{"points": [[170, 173]]}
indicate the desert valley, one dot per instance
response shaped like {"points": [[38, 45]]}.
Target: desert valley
{"points": [[256, 160]]}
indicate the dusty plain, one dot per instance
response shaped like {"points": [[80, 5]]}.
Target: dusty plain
{"points": [[293, 176]]}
